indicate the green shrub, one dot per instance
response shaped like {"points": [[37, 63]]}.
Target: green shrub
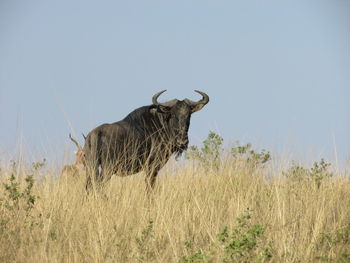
{"points": [[338, 242], [144, 251], [196, 257], [242, 243], [16, 198], [320, 171], [317, 173], [17, 212], [246, 155], [209, 154]]}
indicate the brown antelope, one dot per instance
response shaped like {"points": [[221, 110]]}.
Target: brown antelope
{"points": [[78, 168]]}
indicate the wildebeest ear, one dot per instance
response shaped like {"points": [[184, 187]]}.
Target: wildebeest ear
{"points": [[163, 109], [197, 107], [160, 109]]}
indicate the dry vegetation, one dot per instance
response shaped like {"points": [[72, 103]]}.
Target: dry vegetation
{"points": [[209, 208]]}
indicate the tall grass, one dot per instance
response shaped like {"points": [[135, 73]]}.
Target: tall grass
{"points": [[236, 211]]}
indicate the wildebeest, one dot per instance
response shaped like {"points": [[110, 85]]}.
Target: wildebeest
{"points": [[78, 168], [144, 140]]}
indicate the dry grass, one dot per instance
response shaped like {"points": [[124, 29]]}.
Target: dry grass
{"points": [[180, 222]]}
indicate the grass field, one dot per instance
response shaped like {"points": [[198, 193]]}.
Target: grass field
{"points": [[234, 211]]}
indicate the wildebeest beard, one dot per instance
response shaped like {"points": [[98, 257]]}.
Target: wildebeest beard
{"points": [[174, 147], [179, 151]]}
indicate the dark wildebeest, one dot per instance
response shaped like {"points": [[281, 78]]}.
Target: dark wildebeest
{"points": [[144, 140]]}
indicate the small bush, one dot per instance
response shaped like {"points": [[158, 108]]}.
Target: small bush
{"points": [[196, 257], [145, 253], [320, 171], [317, 173], [17, 213], [242, 243], [338, 244], [16, 198], [210, 153], [249, 157]]}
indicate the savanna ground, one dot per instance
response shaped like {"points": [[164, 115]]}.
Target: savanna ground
{"points": [[214, 206]]}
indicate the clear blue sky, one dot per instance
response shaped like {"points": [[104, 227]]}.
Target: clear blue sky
{"points": [[277, 72]]}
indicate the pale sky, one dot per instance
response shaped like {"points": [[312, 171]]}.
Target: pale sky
{"points": [[277, 72]]}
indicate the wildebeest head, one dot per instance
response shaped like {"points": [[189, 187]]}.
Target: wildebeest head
{"points": [[178, 114]]}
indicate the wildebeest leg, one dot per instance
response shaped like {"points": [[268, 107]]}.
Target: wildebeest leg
{"points": [[92, 175], [92, 159], [151, 177], [104, 176]]}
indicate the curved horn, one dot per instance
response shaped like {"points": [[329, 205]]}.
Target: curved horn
{"points": [[170, 103], [205, 98], [75, 142], [155, 97], [197, 105]]}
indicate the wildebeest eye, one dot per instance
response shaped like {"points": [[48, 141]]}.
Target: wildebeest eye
{"points": [[168, 117]]}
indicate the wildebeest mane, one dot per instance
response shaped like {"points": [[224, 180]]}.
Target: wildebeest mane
{"points": [[142, 119]]}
